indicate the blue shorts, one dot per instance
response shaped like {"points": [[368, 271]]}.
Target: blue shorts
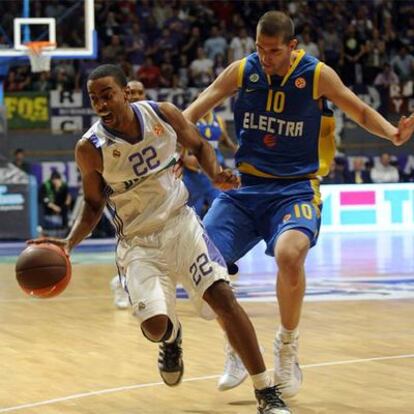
{"points": [[201, 190], [262, 209]]}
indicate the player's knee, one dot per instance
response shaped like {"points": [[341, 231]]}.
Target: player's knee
{"points": [[221, 299], [290, 257], [155, 329]]}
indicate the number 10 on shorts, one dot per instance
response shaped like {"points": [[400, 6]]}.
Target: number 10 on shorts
{"points": [[303, 210]]}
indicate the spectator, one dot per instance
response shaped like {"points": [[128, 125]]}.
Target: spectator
{"points": [[336, 173], [19, 160], [403, 64], [182, 72], [161, 12], [64, 74], [44, 82], [383, 81], [135, 43], [149, 74], [55, 201], [193, 43], [331, 45], [387, 77], [351, 56], [215, 44], [178, 27], [165, 43], [241, 46], [111, 52], [219, 65], [359, 174], [376, 57], [111, 26], [309, 46], [384, 172], [201, 69], [18, 80]]}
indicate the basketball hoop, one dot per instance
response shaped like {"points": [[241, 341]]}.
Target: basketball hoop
{"points": [[39, 62]]}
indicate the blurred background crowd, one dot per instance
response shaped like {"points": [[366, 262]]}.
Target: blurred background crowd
{"points": [[181, 43]]}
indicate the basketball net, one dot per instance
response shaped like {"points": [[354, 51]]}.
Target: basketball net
{"points": [[39, 62]]}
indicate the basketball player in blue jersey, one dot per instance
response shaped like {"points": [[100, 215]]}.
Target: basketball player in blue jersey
{"points": [[201, 192], [126, 162], [286, 140]]}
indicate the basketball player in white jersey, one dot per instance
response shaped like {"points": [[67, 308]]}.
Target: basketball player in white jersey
{"points": [[126, 161], [136, 93]]}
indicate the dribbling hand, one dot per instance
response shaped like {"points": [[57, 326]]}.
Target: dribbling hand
{"points": [[226, 180], [62, 243]]}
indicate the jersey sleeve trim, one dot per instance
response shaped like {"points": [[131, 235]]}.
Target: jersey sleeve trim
{"points": [[316, 76], [240, 74]]}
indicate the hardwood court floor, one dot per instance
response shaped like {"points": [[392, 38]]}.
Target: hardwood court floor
{"points": [[76, 354]]}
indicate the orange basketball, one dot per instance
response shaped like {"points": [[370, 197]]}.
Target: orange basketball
{"points": [[43, 270]]}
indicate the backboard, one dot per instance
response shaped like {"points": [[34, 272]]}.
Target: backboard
{"points": [[70, 24]]}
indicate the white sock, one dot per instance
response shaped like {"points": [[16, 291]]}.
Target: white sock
{"points": [[288, 334], [262, 380]]}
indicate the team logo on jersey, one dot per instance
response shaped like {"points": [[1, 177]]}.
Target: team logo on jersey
{"points": [[254, 77], [116, 153], [158, 130], [270, 140], [286, 217], [141, 306], [300, 83]]}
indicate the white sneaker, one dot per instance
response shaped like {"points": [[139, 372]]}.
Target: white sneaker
{"points": [[288, 375], [234, 371], [121, 299]]}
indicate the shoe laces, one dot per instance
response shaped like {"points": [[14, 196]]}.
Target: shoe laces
{"points": [[288, 356], [270, 397], [233, 364], [171, 353]]}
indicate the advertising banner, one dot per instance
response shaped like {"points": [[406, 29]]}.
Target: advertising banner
{"points": [[368, 207], [27, 110], [71, 111]]}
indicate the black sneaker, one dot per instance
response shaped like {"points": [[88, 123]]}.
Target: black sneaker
{"points": [[269, 401], [170, 361]]}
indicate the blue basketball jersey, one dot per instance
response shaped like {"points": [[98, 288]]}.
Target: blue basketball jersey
{"points": [[283, 130], [211, 129]]}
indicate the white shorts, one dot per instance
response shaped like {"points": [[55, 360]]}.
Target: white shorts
{"points": [[180, 253]]}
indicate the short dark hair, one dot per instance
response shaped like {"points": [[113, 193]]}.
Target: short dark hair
{"points": [[18, 151], [275, 23], [114, 71], [55, 175]]}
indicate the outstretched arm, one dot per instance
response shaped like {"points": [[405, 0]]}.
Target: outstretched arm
{"points": [[89, 162], [189, 137], [223, 87], [331, 87]]}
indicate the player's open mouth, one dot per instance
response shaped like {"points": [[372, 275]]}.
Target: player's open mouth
{"points": [[107, 119]]}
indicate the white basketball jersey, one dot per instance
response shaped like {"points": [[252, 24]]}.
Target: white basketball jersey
{"points": [[142, 191]]}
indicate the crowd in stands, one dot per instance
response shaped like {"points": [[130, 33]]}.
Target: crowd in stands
{"points": [[167, 44], [364, 170]]}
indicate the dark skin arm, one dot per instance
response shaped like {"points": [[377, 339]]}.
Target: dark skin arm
{"points": [[188, 137], [89, 162]]}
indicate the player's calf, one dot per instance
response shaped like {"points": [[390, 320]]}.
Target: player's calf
{"points": [[160, 329]]}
